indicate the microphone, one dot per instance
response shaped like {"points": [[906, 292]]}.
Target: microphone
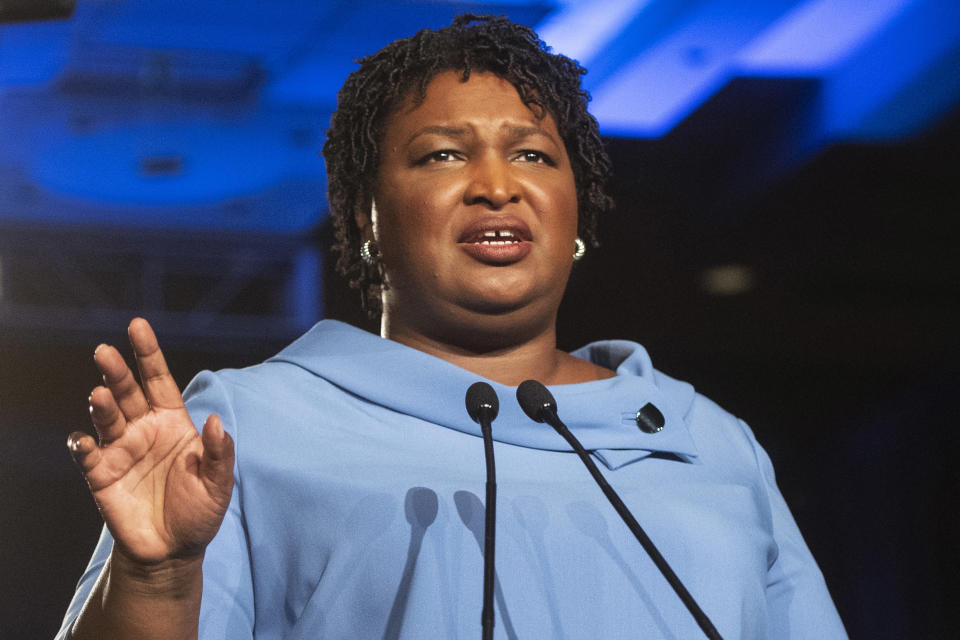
{"points": [[483, 406], [538, 403]]}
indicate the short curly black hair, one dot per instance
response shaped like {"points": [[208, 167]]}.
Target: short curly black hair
{"points": [[546, 82]]}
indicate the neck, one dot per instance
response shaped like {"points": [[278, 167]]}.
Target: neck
{"points": [[533, 355]]}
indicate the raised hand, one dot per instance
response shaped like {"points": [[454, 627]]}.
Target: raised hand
{"points": [[161, 487]]}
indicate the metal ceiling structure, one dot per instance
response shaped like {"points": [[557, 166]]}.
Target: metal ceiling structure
{"points": [[209, 114], [160, 117]]}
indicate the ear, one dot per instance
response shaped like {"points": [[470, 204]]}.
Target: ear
{"points": [[366, 219]]}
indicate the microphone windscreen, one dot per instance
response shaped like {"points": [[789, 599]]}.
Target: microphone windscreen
{"points": [[534, 399], [479, 396]]}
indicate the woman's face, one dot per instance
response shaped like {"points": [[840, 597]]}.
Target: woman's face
{"points": [[475, 208]]}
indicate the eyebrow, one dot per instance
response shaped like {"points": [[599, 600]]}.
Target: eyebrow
{"points": [[439, 129], [515, 132], [518, 131]]}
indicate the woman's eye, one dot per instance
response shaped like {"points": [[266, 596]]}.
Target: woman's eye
{"points": [[443, 155], [530, 155]]}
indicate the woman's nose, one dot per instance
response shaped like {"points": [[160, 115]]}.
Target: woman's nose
{"points": [[491, 182]]}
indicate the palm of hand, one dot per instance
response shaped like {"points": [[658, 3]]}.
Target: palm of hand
{"points": [[150, 492], [161, 488]]}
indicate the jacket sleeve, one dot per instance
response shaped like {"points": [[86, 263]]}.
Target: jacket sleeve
{"points": [[799, 606], [89, 578]]}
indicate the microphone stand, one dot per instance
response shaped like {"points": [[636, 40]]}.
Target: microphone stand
{"points": [[538, 403], [483, 406]]}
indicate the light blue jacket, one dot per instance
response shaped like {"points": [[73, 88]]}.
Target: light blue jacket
{"points": [[358, 508]]}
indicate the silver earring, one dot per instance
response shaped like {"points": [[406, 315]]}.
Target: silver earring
{"points": [[581, 248], [370, 253]]}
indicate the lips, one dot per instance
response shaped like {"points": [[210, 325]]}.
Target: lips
{"points": [[497, 240]]}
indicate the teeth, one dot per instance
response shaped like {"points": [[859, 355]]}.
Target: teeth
{"points": [[498, 237]]}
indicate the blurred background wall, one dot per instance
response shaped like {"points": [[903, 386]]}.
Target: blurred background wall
{"points": [[786, 174]]}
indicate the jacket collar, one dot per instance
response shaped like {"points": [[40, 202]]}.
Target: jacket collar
{"points": [[602, 413]]}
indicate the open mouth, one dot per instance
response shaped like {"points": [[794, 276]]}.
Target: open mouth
{"points": [[497, 240], [499, 237], [496, 231]]}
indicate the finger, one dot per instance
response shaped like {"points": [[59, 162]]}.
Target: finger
{"points": [[218, 456], [119, 379], [84, 450], [158, 385], [106, 416]]}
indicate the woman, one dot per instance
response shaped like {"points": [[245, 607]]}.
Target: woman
{"points": [[333, 490]]}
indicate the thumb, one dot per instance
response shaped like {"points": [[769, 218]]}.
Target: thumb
{"points": [[216, 467]]}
